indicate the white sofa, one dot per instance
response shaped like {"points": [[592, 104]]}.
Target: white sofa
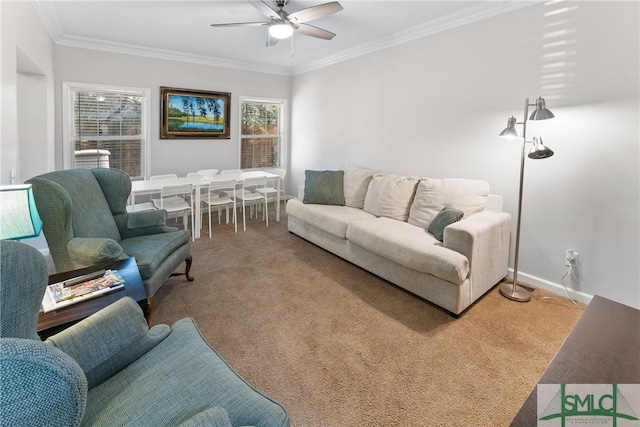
{"points": [[382, 227]]}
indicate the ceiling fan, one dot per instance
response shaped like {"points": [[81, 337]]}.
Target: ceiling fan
{"points": [[282, 24]]}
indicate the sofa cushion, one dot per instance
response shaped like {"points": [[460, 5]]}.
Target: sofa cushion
{"points": [[467, 195], [330, 219], [409, 246], [444, 218], [390, 196], [324, 187], [356, 183]]}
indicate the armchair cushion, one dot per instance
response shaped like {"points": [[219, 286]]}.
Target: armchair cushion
{"points": [[152, 250], [93, 251], [109, 340], [41, 386]]}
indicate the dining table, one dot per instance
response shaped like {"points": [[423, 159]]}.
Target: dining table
{"points": [[153, 186]]}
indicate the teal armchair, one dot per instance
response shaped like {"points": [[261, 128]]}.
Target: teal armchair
{"points": [[86, 223], [111, 369]]}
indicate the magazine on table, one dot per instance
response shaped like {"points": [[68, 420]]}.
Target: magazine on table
{"points": [[68, 292]]}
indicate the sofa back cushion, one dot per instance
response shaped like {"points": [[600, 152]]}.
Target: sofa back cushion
{"points": [[390, 196], [356, 183], [467, 195]]}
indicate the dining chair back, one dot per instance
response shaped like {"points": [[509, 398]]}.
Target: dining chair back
{"points": [[173, 199], [221, 194], [274, 186], [207, 172], [165, 176], [252, 198]]}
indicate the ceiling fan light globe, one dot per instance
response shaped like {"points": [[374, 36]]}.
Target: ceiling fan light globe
{"points": [[280, 31]]}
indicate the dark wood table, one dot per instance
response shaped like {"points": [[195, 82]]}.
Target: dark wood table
{"points": [[603, 348], [55, 321]]}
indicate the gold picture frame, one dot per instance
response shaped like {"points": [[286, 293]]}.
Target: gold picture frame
{"points": [[191, 114]]}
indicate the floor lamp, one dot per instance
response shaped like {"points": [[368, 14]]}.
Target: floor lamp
{"points": [[538, 151]]}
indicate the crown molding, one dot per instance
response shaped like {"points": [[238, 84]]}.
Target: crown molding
{"points": [[49, 18], [170, 55], [476, 13], [455, 20]]}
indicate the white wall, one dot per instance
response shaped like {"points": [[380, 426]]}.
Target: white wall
{"points": [[434, 107], [168, 156], [26, 74], [27, 98]]}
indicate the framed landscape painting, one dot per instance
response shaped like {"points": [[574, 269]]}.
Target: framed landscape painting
{"points": [[189, 113]]}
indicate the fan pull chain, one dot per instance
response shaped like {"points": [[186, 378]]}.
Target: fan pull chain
{"points": [[292, 45]]}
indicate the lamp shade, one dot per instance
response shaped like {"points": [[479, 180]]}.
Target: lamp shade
{"points": [[541, 112], [280, 30], [539, 151], [19, 217], [510, 131]]}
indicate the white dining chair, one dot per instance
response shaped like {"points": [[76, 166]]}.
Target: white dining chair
{"points": [[218, 196], [246, 196], [165, 176], [173, 199], [271, 191], [208, 172]]}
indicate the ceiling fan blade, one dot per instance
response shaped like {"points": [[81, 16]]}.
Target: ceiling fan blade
{"points": [[265, 9], [241, 24], [310, 30], [314, 12]]}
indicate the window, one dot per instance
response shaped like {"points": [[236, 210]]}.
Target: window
{"points": [[262, 133], [106, 126]]}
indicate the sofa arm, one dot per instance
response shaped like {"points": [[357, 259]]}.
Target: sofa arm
{"points": [[484, 239], [85, 251], [109, 340]]}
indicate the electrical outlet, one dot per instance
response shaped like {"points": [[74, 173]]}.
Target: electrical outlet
{"points": [[571, 257]]}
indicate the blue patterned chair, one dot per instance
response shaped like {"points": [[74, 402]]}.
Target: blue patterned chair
{"points": [[86, 223], [111, 369]]}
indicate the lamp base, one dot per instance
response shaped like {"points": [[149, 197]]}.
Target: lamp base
{"points": [[519, 294]]}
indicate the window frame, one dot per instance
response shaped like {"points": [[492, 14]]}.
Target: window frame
{"points": [[283, 146], [67, 119]]}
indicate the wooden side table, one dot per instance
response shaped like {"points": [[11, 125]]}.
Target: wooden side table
{"points": [[55, 321], [602, 348]]}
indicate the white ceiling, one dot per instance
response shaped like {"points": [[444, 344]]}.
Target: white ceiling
{"points": [[180, 29]]}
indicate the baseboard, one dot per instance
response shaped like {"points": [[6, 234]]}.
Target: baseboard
{"points": [[556, 288]]}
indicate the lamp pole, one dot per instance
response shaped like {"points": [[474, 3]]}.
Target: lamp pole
{"points": [[514, 291]]}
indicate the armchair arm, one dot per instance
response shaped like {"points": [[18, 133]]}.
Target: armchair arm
{"points": [[109, 340], [29, 400], [85, 251], [484, 239]]}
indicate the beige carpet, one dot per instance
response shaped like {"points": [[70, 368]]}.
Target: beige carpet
{"points": [[338, 346]]}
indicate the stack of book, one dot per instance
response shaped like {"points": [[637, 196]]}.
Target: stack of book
{"points": [[63, 294]]}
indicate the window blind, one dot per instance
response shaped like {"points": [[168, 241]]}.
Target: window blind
{"points": [[261, 134], [107, 129]]}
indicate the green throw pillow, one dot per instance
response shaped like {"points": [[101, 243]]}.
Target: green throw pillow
{"points": [[445, 217], [324, 187]]}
